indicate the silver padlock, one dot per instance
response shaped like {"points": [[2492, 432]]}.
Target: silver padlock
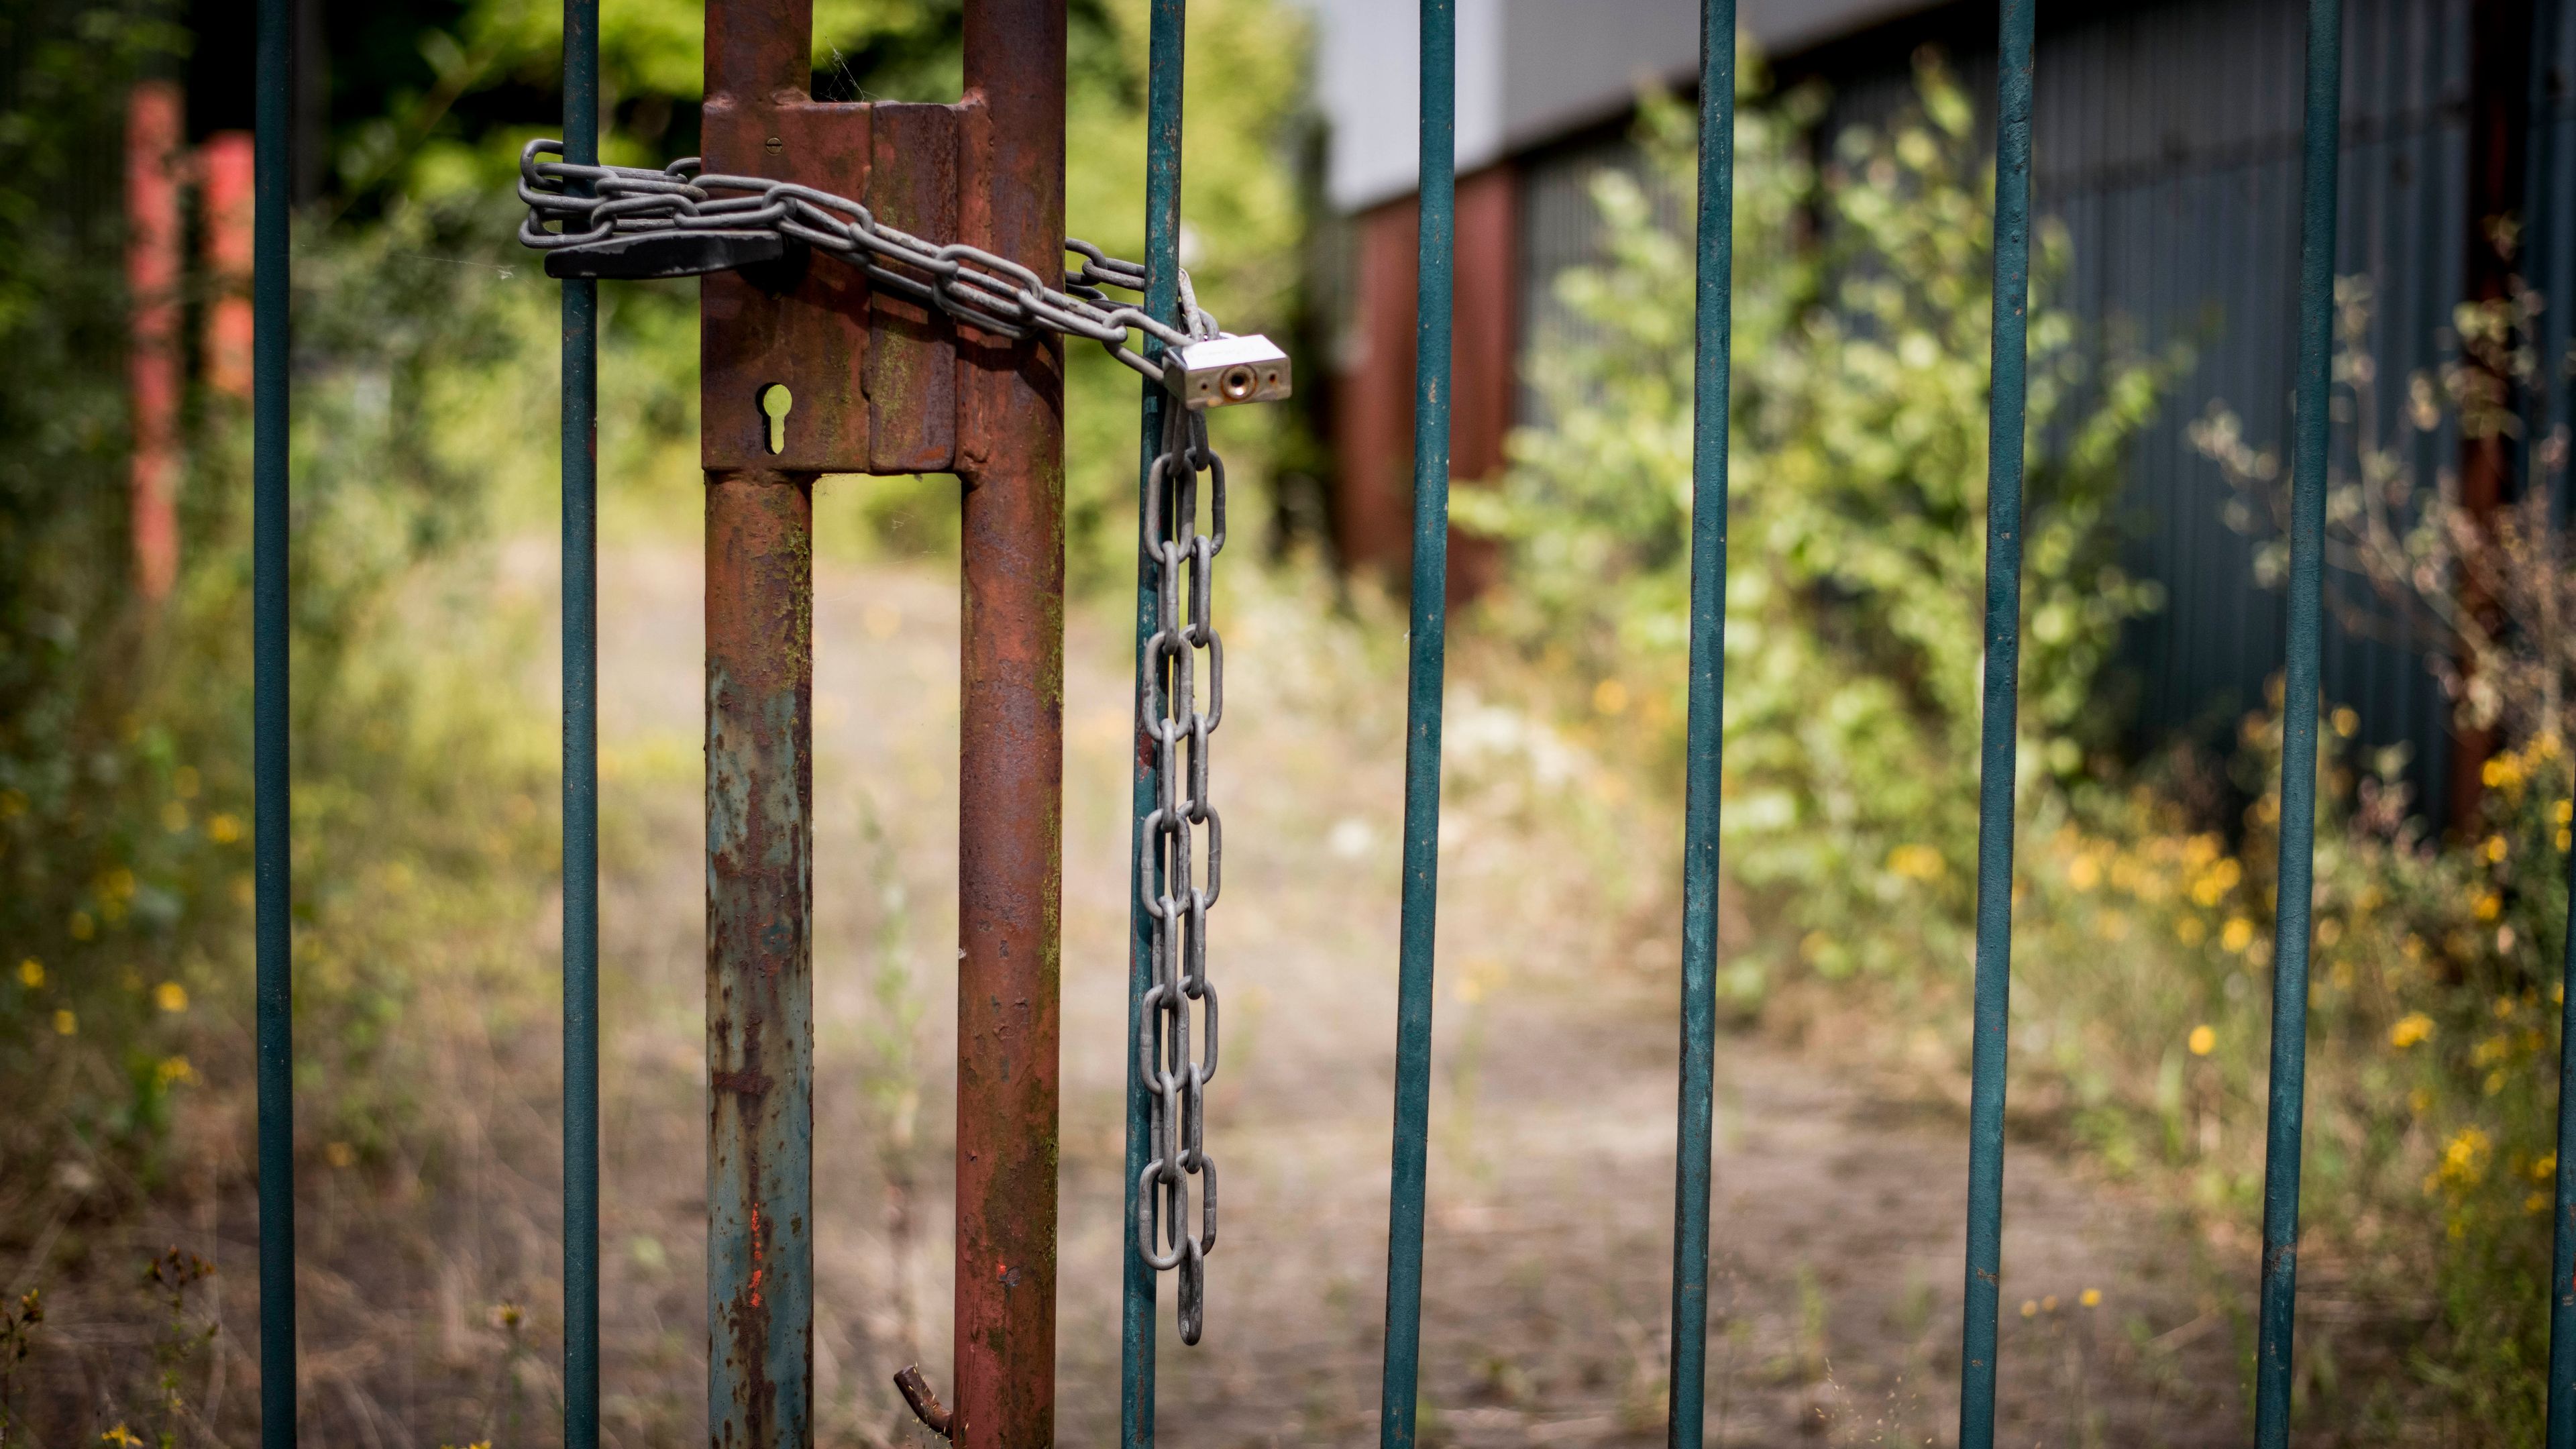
{"points": [[1227, 370]]}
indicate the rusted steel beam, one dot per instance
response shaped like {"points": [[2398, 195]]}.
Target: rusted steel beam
{"points": [[760, 991], [807, 334], [1010, 459]]}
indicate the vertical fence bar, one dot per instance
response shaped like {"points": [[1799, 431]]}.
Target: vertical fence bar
{"points": [[2562, 1273], [273, 928], [1996, 745], [2323, 146], [581, 768], [1702, 765], [1428, 641], [1166, 52]]}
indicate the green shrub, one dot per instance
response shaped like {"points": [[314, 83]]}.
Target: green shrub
{"points": [[1857, 525]]}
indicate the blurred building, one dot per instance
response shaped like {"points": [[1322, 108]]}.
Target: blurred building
{"points": [[2166, 136]]}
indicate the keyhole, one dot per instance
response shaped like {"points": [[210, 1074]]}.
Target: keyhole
{"points": [[775, 401]]}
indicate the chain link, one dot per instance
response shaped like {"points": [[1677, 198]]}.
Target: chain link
{"points": [[974, 286], [1175, 1079]]}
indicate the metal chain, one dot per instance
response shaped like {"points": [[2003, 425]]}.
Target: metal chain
{"points": [[1002, 297], [969, 283], [1176, 1081]]}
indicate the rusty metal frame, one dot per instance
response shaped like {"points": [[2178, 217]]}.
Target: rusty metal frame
{"points": [[881, 385]]}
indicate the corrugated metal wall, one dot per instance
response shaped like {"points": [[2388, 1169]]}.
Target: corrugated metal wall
{"points": [[2167, 143]]}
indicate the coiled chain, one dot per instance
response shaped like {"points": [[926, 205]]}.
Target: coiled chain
{"points": [[1176, 1079], [990, 292]]}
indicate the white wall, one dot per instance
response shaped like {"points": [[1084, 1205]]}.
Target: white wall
{"points": [[1527, 70]]}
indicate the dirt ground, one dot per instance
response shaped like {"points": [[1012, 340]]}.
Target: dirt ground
{"points": [[1839, 1224], [1840, 1196]]}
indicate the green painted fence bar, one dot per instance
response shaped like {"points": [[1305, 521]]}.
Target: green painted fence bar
{"points": [[1996, 747], [581, 768], [1165, 56], [274, 895], [1706, 738], [2311, 419], [1428, 643], [2562, 1273]]}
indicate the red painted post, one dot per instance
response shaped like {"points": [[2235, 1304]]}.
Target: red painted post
{"points": [[155, 120], [1010, 459], [224, 165]]}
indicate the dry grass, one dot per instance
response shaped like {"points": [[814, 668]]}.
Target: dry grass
{"points": [[429, 1274]]}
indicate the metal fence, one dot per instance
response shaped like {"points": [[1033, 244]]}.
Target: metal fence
{"points": [[1010, 1403], [2173, 165]]}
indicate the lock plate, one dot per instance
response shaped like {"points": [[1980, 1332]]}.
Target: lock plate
{"points": [[872, 376]]}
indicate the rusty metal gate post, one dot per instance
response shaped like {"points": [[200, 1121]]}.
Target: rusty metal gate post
{"points": [[804, 372], [1010, 776], [760, 833]]}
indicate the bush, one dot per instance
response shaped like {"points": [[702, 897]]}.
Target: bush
{"points": [[1857, 528]]}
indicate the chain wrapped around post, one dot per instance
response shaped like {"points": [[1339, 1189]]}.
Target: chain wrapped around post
{"points": [[626, 221], [1174, 899], [622, 221]]}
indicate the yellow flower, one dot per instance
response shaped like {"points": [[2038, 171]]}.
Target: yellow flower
{"points": [[2085, 873], [2191, 930], [2545, 1168], [2495, 847], [2092, 1298], [170, 996], [2030, 1308], [2215, 882], [173, 1070], [2538, 1202], [65, 1024], [2346, 721], [1916, 862], [224, 829], [120, 1436], [2237, 934], [340, 1154], [2411, 1028], [31, 973], [2203, 1040], [2464, 1160], [2490, 906], [1610, 697], [2564, 812]]}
